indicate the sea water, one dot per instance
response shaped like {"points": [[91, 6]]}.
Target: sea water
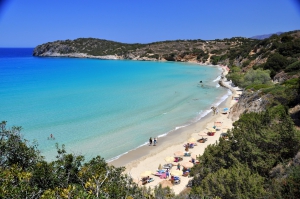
{"points": [[101, 107]]}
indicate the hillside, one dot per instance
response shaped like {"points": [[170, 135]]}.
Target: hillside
{"points": [[260, 157], [277, 57], [234, 51], [178, 50]]}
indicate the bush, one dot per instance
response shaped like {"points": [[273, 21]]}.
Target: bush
{"points": [[257, 86], [257, 77], [293, 67], [246, 63], [275, 63]]}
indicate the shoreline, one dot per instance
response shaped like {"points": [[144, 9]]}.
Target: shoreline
{"points": [[149, 157], [167, 138]]}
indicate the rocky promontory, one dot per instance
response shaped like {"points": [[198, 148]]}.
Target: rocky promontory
{"points": [[205, 52]]}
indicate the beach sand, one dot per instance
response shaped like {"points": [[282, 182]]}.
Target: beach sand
{"points": [[148, 158]]}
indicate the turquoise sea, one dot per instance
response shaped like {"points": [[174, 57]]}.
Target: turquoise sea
{"points": [[102, 107]]}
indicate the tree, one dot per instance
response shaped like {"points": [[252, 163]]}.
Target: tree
{"points": [[275, 63], [235, 182], [16, 151], [255, 77]]}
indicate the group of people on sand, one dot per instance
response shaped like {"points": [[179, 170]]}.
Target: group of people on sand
{"points": [[154, 141], [215, 110]]}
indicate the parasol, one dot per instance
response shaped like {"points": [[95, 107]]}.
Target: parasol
{"points": [[169, 159], [166, 183], [212, 130], [187, 165], [194, 156], [176, 173], [146, 173], [192, 140], [178, 154]]}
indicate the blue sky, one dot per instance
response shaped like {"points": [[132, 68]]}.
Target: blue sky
{"points": [[27, 23]]}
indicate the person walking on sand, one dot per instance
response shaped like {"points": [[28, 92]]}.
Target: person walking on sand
{"points": [[154, 144], [150, 141], [167, 173], [178, 166]]}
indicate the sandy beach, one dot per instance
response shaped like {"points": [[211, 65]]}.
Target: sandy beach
{"points": [[148, 158]]}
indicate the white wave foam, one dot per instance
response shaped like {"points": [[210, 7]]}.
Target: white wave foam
{"points": [[201, 114], [179, 127], [217, 79], [144, 144], [117, 157], [223, 98], [162, 135]]}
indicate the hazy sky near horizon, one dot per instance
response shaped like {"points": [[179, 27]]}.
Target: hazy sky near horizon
{"points": [[27, 23]]}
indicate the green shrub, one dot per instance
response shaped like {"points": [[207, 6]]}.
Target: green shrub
{"points": [[257, 86], [293, 67], [275, 63], [258, 76], [246, 63], [291, 82]]}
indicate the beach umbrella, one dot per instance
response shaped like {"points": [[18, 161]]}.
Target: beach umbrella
{"points": [[218, 124], [169, 159], [224, 130], [178, 154], [225, 109], [159, 167], [146, 173], [176, 173], [211, 130], [194, 156], [166, 183], [187, 165], [192, 140]]}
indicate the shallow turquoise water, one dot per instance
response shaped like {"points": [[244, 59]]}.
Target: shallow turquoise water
{"points": [[101, 107]]}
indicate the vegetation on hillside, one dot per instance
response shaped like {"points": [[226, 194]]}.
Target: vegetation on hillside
{"points": [[245, 165], [25, 174], [261, 158]]}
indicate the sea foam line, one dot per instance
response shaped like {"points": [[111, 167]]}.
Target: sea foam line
{"points": [[200, 116], [217, 79]]}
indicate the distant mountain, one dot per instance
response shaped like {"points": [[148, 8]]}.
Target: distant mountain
{"points": [[261, 37]]}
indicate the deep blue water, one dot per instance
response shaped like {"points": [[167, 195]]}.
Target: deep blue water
{"points": [[91, 105]]}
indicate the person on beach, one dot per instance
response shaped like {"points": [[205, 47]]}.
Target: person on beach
{"points": [[187, 147], [154, 142], [193, 160], [178, 166], [150, 141], [167, 173]]}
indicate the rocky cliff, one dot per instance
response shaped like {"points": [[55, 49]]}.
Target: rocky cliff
{"points": [[249, 101]]}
